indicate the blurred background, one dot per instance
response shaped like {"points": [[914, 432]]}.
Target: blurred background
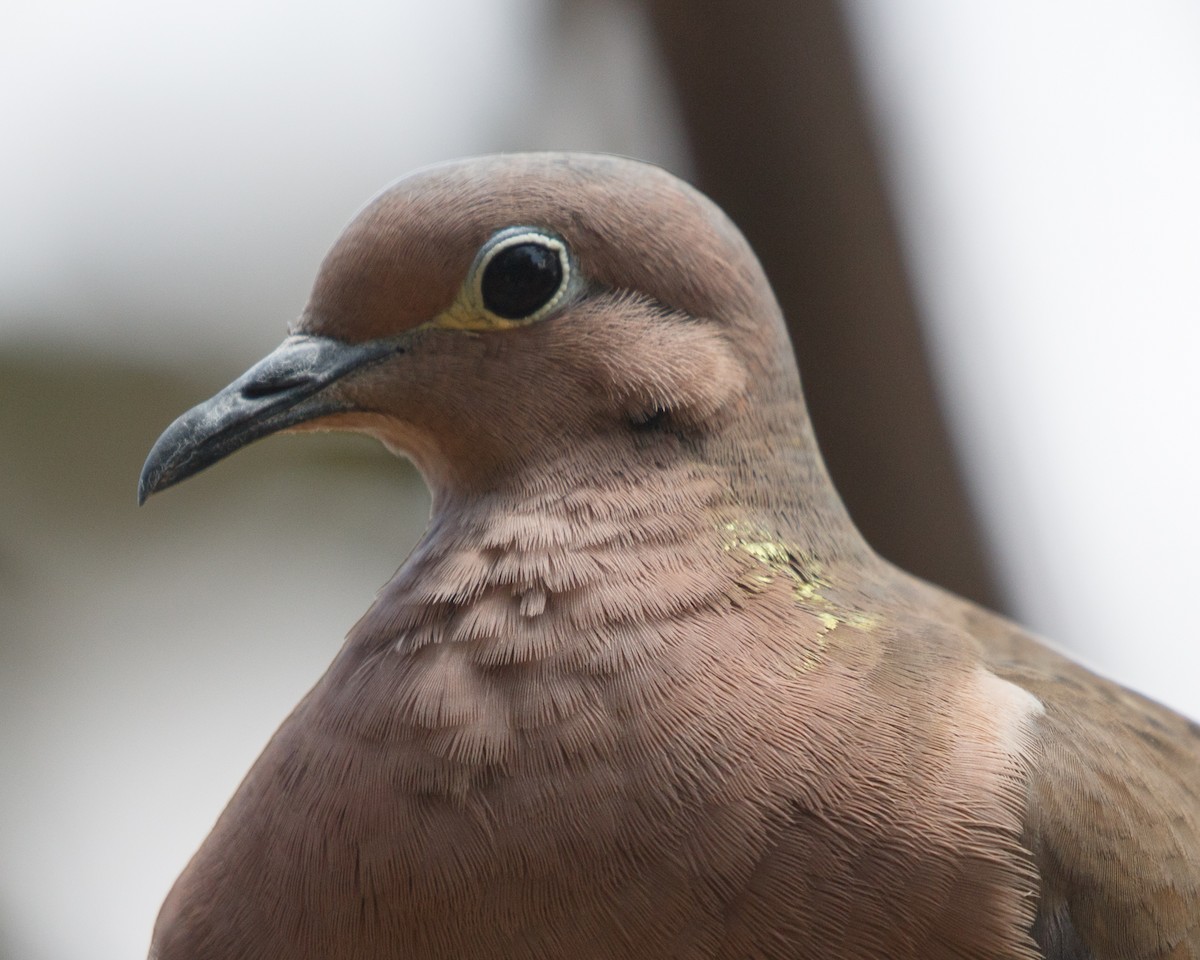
{"points": [[983, 221]]}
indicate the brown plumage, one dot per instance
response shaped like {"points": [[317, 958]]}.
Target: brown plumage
{"points": [[642, 690]]}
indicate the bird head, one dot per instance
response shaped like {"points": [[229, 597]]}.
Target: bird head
{"points": [[485, 315]]}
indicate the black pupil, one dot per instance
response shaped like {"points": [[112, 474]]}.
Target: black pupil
{"points": [[521, 279]]}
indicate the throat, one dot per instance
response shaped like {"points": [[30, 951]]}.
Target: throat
{"points": [[552, 575], [582, 553]]}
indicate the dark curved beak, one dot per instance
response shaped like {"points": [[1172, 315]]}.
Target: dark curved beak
{"points": [[285, 388]]}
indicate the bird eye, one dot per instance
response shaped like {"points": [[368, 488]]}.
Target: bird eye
{"points": [[522, 273]]}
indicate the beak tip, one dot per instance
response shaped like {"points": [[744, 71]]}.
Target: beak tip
{"points": [[147, 484], [155, 475]]}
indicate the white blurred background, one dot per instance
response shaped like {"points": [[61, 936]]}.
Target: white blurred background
{"points": [[171, 176]]}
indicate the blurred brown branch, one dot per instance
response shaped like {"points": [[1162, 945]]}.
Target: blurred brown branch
{"points": [[780, 138]]}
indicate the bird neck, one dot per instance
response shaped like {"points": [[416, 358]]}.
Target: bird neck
{"points": [[774, 472], [599, 539]]}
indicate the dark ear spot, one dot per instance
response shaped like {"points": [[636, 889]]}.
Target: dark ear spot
{"points": [[656, 419], [683, 384]]}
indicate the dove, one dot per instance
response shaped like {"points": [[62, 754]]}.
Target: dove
{"points": [[642, 690]]}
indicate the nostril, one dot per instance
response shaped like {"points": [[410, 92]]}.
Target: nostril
{"points": [[265, 388], [307, 365]]}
